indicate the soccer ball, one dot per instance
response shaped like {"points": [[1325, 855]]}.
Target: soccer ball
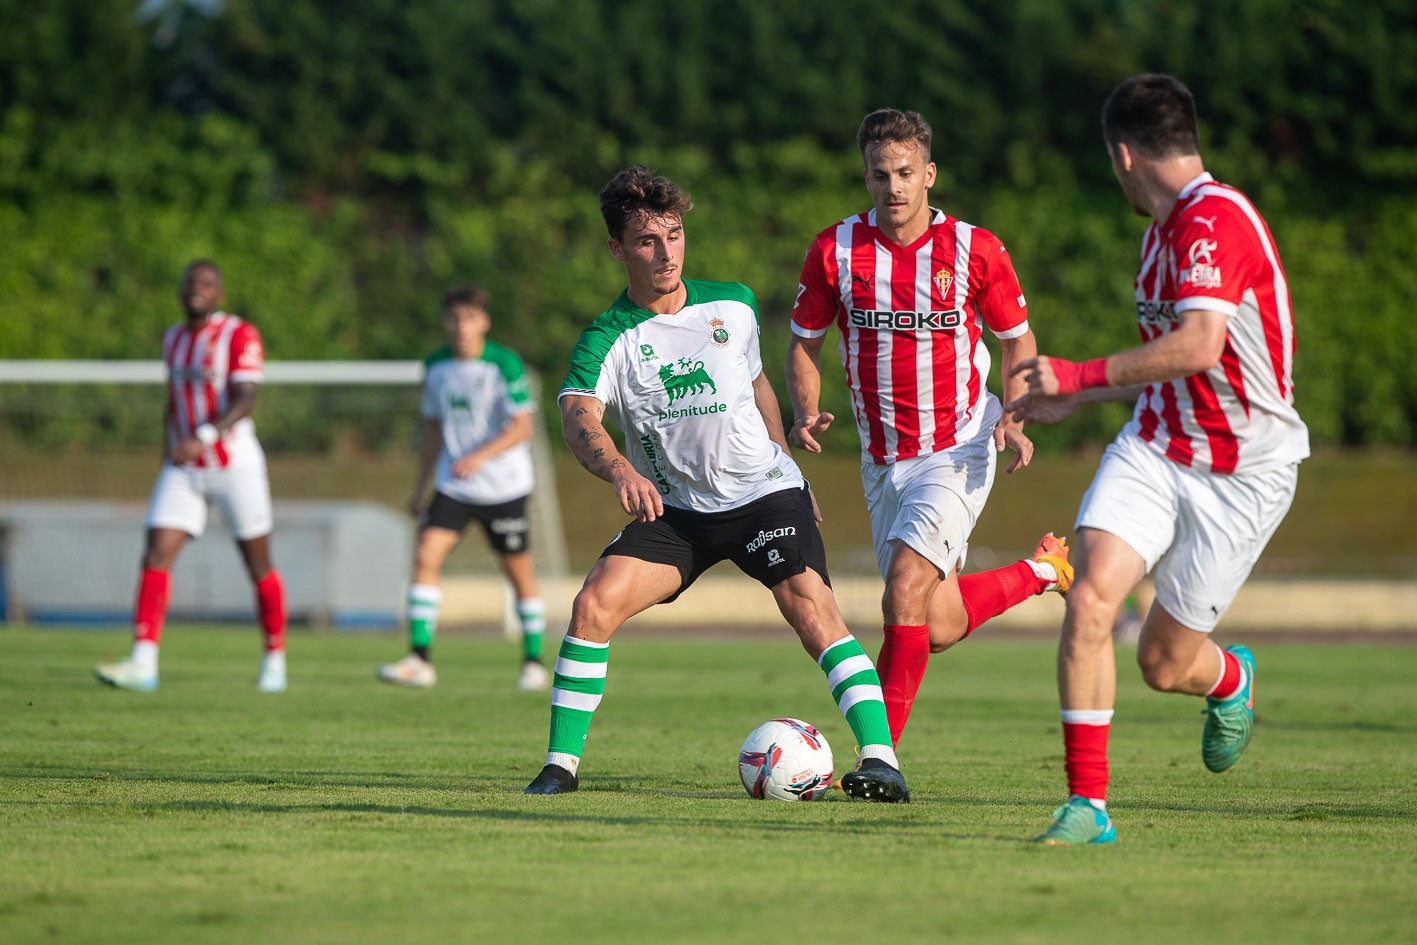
{"points": [[785, 760]]}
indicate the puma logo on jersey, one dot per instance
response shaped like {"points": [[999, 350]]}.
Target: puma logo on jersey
{"points": [[1209, 224], [690, 379]]}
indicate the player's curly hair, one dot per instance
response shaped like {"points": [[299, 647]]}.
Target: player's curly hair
{"points": [[1153, 113], [892, 126], [637, 190]]}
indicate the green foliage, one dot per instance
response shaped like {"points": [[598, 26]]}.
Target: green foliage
{"points": [[345, 163]]}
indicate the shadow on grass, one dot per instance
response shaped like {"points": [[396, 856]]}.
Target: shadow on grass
{"points": [[729, 822]]}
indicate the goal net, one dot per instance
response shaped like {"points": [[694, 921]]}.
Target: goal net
{"points": [[82, 442]]}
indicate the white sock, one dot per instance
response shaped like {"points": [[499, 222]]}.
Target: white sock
{"points": [[145, 655], [1044, 570], [884, 752], [569, 762]]}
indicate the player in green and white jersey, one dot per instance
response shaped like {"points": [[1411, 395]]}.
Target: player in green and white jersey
{"points": [[476, 427], [705, 472]]}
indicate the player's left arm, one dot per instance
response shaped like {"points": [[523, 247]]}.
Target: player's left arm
{"points": [[1002, 307], [1054, 386], [517, 430], [240, 402], [1009, 432], [765, 398]]}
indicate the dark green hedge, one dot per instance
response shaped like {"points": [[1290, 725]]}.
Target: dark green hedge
{"points": [[346, 162]]}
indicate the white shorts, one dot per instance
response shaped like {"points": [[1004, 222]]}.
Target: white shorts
{"points": [[243, 493], [932, 502], [1201, 532]]}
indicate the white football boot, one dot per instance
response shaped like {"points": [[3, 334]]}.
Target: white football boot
{"points": [[126, 674], [412, 671], [534, 677], [272, 676]]}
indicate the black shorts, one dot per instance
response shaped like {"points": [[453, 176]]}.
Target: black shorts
{"points": [[505, 524], [770, 539]]}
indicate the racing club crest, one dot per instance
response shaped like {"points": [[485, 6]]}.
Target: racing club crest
{"points": [[717, 333], [943, 278]]}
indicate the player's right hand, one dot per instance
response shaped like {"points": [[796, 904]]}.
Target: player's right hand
{"points": [[805, 431], [638, 496], [185, 451]]}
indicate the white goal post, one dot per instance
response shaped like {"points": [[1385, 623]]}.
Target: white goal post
{"points": [[76, 431]]}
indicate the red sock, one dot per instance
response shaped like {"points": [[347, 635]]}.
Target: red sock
{"points": [[270, 601], [154, 589], [905, 652], [1230, 677], [1085, 759], [989, 593]]}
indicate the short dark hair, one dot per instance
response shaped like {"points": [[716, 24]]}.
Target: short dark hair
{"points": [[473, 296], [1153, 113], [196, 264], [892, 126], [637, 190]]}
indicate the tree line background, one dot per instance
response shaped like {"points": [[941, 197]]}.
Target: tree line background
{"points": [[345, 163]]}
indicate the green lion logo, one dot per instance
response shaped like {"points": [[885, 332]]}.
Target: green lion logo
{"points": [[691, 378]]}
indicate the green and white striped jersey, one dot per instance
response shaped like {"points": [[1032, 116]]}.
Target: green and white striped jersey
{"points": [[475, 399], [680, 387]]}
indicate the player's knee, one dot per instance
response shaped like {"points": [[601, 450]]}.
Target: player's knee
{"points": [[1089, 614], [1157, 670], [592, 611], [905, 601], [946, 633]]}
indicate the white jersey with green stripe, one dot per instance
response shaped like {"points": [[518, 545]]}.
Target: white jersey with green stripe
{"points": [[680, 387], [474, 399]]}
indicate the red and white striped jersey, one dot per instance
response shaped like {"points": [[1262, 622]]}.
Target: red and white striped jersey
{"points": [[909, 319], [202, 364], [1215, 252]]}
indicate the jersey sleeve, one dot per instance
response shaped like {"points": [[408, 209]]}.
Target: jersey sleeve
{"points": [[1214, 256], [817, 302], [248, 356], [1000, 299], [515, 383], [588, 375], [754, 350], [430, 405]]}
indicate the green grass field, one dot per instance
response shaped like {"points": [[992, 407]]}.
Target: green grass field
{"points": [[346, 812]]}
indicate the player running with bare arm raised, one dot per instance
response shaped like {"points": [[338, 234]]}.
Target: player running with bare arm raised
{"points": [[1194, 486]]}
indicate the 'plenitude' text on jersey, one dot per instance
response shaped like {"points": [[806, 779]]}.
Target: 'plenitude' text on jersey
{"points": [[1215, 252], [680, 387], [475, 399], [909, 320], [202, 364]]}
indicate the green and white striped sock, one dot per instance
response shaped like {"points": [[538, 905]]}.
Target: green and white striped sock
{"points": [[531, 611], [423, 603], [575, 695], [857, 691]]}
